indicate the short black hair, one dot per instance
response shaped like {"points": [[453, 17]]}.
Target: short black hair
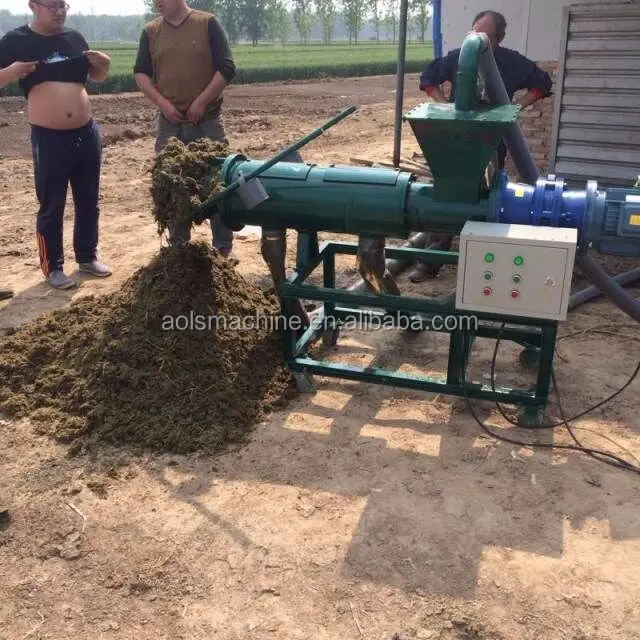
{"points": [[498, 19]]}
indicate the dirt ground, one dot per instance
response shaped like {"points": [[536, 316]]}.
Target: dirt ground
{"points": [[360, 511]]}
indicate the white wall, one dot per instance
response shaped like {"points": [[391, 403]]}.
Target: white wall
{"points": [[457, 18], [534, 26]]}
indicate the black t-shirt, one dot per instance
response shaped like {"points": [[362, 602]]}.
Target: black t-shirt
{"points": [[60, 57]]}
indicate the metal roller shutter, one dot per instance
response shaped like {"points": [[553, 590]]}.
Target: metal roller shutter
{"points": [[596, 129]]}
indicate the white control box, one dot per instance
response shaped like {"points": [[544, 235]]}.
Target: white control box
{"points": [[516, 270]]}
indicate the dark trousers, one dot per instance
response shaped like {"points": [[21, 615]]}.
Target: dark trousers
{"points": [[61, 158]]}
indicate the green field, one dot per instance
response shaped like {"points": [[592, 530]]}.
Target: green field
{"points": [[282, 57], [272, 63]]}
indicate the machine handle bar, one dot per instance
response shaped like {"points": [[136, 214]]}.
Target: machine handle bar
{"points": [[207, 204]]}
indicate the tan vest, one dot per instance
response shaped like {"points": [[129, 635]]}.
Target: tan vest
{"points": [[181, 58]]}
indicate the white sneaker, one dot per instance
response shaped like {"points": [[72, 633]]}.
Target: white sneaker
{"points": [[95, 268], [58, 280]]}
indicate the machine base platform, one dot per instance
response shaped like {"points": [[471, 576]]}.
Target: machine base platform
{"points": [[538, 337]]}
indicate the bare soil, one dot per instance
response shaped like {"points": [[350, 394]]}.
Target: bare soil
{"points": [[359, 511]]}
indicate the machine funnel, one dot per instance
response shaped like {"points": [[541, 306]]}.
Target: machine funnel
{"points": [[458, 145]]}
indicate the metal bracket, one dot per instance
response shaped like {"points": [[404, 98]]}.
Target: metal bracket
{"points": [[304, 381]]}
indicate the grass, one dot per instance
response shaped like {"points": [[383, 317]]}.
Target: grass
{"points": [[281, 57], [272, 63]]}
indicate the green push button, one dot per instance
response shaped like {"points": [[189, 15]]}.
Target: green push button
{"points": [[488, 275], [518, 261], [517, 279], [489, 257]]}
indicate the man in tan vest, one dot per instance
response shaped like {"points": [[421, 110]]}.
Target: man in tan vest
{"points": [[183, 65]]}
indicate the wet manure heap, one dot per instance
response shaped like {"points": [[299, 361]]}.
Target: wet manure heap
{"points": [[184, 176], [181, 358]]}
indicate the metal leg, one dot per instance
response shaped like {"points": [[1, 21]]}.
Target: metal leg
{"points": [[534, 416], [547, 353], [454, 368], [332, 331], [273, 246], [307, 250], [304, 381], [531, 417], [460, 344]]}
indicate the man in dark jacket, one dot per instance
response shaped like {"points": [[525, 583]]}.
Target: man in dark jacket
{"points": [[518, 73]]}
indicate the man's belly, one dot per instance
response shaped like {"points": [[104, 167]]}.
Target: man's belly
{"points": [[59, 105]]}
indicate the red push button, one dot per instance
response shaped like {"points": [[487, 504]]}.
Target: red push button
{"points": [[515, 293], [488, 291]]}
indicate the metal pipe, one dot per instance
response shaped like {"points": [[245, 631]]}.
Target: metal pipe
{"points": [[402, 52], [437, 29], [586, 295], [609, 287], [497, 93], [467, 76]]}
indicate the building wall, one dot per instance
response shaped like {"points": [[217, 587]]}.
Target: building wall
{"points": [[534, 26]]}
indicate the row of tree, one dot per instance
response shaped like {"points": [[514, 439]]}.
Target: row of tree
{"points": [[272, 20], [94, 28], [269, 20]]}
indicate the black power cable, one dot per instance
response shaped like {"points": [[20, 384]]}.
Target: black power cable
{"points": [[563, 422], [601, 456]]}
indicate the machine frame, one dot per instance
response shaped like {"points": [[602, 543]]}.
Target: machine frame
{"points": [[538, 337], [458, 142]]}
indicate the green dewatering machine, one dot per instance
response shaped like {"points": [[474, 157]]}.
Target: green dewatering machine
{"points": [[518, 242]]}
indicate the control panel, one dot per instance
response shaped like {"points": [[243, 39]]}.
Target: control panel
{"points": [[516, 270]]}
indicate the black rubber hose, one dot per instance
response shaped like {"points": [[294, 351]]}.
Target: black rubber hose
{"points": [[609, 287], [497, 94], [590, 293]]}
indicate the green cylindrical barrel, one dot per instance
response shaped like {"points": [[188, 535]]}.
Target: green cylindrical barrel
{"points": [[313, 198], [383, 202]]}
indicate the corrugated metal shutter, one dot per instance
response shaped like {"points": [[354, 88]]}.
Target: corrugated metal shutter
{"points": [[596, 133]]}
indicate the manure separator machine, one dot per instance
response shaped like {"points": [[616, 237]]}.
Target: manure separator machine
{"points": [[518, 242]]}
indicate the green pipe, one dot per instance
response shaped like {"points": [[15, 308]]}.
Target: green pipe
{"points": [[467, 78], [346, 200]]}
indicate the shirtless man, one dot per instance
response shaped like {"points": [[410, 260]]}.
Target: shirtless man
{"points": [[52, 64]]}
